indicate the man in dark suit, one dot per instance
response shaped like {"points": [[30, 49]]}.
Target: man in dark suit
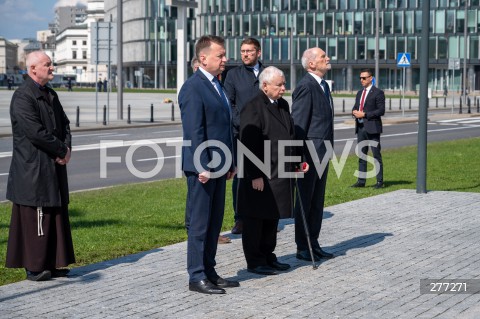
{"points": [[368, 110], [265, 196], [242, 85], [206, 162], [312, 112]]}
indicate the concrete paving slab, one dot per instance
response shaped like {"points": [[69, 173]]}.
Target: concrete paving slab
{"points": [[384, 245]]}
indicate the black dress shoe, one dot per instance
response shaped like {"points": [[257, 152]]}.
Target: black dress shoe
{"points": [[263, 270], [205, 287], [279, 266], [305, 255], [358, 184], [224, 283], [319, 252], [39, 275], [237, 228], [63, 272], [378, 185]]}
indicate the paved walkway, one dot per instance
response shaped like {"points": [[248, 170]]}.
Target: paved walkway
{"points": [[385, 245]]}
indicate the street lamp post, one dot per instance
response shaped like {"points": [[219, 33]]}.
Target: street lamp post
{"points": [[182, 6]]}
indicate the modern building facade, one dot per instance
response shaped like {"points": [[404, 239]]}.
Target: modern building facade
{"points": [[142, 45], [345, 29]]}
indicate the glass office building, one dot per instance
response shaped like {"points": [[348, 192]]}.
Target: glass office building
{"points": [[346, 30]]}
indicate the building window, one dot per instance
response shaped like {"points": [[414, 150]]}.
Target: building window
{"points": [[84, 42], [84, 55], [74, 55], [74, 42]]}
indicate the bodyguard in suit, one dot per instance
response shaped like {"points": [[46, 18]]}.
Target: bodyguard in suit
{"points": [[242, 85], [206, 162], [368, 110], [264, 198], [312, 112]]}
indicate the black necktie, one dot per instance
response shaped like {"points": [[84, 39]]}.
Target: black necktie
{"points": [[326, 90], [220, 91]]}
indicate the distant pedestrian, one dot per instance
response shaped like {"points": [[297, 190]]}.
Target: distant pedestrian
{"points": [[39, 237], [99, 85], [10, 82], [105, 85], [69, 84]]}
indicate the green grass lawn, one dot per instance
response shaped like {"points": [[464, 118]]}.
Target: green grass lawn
{"points": [[122, 220]]}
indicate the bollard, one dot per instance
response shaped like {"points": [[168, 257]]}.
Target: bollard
{"points": [[445, 102], [77, 122], [400, 106], [129, 121], [151, 113], [409, 104], [104, 115], [173, 112], [478, 106], [343, 108], [390, 104], [436, 102], [460, 110], [469, 109]]}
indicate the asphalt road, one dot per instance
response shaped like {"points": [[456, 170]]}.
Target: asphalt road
{"points": [[138, 154]]}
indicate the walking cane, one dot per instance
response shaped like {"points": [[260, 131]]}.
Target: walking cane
{"points": [[305, 227]]}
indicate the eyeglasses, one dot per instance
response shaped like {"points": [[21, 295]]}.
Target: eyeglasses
{"points": [[247, 51], [365, 77]]}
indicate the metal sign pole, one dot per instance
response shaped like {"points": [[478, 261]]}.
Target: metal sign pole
{"points": [[403, 98]]}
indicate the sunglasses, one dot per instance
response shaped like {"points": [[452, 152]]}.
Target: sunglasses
{"points": [[365, 77]]}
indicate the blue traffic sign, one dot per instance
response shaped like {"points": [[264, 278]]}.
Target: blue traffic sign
{"points": [[403, 59]]}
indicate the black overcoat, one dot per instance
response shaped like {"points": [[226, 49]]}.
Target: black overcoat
{"points": [[262, 121], [41, 133]]}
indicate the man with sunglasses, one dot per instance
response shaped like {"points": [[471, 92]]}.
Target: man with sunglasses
{"points": [[368, 109], [242, 85]]}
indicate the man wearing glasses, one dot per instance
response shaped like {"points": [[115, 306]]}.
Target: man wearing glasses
{"points": [[241, 85], [368, 110]]}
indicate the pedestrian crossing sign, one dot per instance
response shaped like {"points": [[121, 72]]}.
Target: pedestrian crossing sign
{"points": [[403, 59]]}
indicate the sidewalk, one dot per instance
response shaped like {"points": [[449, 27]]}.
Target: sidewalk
{"points": [[384, 245], [91, 110]]}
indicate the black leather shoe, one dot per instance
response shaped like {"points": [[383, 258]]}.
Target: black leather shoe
{"points": [[378, 185], [358, 184], [39, 275], [237, 228], [263, 270], [319, 252], [63, 272], [205, 287], [224, 283], [305, 255], [279, 266]]}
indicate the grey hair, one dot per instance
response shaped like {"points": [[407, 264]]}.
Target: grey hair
{"points": [[33, 57], [194, 62], [308, 55], [268, 73]]}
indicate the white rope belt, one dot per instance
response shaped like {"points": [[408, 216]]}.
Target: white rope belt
{"points": [[39, 221]]}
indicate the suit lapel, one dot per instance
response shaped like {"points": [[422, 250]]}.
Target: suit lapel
{"points": [[213, 91], [271, 107]]}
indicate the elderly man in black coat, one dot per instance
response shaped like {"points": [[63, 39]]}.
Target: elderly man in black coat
{"points": [[39, 239], [264, 195]]}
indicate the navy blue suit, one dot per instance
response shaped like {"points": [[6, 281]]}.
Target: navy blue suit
{"points": [[312, 114], [205, 117]]}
